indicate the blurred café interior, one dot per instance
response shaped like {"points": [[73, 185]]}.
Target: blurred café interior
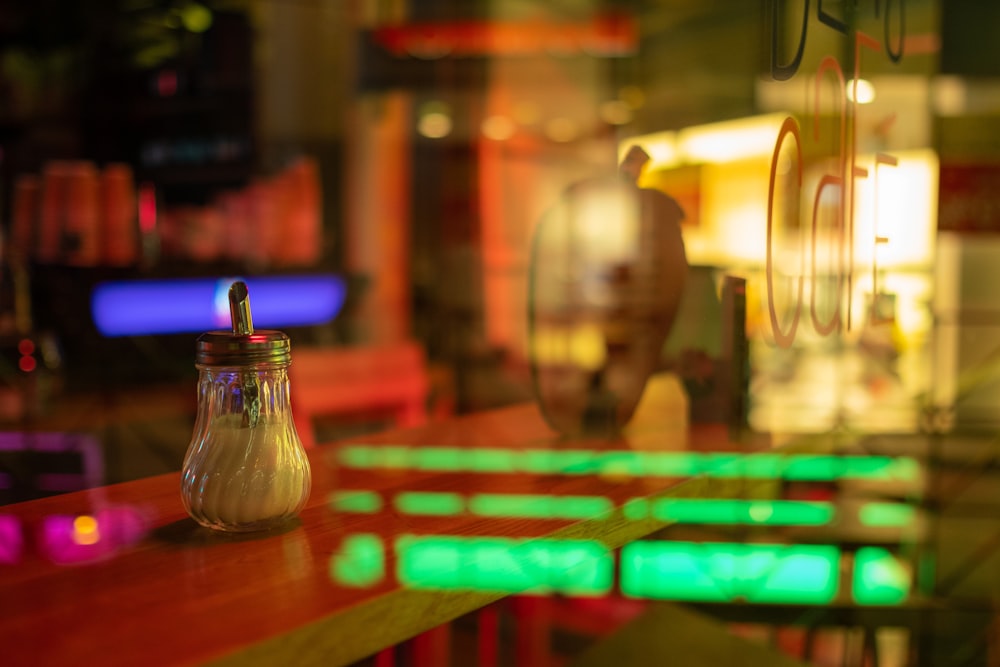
{"points": [[380, 173]]}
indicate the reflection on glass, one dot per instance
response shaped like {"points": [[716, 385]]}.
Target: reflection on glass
{"points": [[792, 467], [571, 567], [879, 577], [719, 572], [11, 539], [360, 562]]}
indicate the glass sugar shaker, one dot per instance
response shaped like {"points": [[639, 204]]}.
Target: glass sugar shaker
{"points": [[245, 468]]}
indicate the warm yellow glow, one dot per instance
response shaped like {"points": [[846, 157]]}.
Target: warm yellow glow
{"points": [[950, 95], [588, 348], [85, 530], [615, 112], [527, 113], [730, 140], [434, 120], [434, 125], [582, 346], [498, 128], [865, 91], [605, 224], [907, 211], [561, 129], [734, 217], [632, 96], [661, 148]]}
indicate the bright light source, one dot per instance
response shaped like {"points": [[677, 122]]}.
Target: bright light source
{"points": [[661, 148], [865, 91], [730, 140], [145, 307]]}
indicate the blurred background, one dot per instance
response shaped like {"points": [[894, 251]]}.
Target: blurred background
{"points": [[384, 163]]}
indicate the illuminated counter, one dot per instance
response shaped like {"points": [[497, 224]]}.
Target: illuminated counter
{"points": [[407, 530]]}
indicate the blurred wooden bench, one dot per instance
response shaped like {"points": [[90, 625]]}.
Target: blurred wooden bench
{"points": [[387, 381]]}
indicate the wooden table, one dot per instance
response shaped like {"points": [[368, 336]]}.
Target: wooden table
{"points": [[182, 594]]}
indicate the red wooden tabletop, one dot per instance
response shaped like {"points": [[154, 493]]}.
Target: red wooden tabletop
{"points": [[155, 588]]}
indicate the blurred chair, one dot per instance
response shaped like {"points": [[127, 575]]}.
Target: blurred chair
{"points": [[379, 382]]}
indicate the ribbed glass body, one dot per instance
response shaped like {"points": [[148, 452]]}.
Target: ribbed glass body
{"points": [[245, 468]]}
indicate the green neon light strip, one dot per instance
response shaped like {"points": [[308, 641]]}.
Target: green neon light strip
{"points": [[636, 509], [570, 567], [690, 571], [360, 563], [715, 572], [887, 515], [745, 512], [879, 578], [429, 502], [357, 502], [798, 467], [539, 506], [526, 506]]}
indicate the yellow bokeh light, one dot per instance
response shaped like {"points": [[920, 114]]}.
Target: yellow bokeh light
{"points": [[587, 347], [85, 530]]}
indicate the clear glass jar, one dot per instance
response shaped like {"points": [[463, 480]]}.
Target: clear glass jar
{"points": [[245, 468]]}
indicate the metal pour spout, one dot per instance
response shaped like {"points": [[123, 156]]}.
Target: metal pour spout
{"points": [[239, 308], [239, 312]]}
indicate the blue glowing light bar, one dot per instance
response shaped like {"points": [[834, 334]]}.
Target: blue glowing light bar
{"points": [[145, 307]]}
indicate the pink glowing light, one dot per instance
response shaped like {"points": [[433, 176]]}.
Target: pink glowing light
{"points": [[68, 540], [11, 540]]}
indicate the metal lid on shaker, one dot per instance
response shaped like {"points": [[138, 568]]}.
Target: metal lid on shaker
{"points": [[242, 345]]}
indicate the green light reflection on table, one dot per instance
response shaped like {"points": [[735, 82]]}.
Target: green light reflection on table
{"points": [[792, 467], [571, 567], [724, 572], [532, 506], [879, 578], [355, 502], [673, 510], [435, 503], [754, 512], [360, 562], [887, 515], [663, 570]]}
